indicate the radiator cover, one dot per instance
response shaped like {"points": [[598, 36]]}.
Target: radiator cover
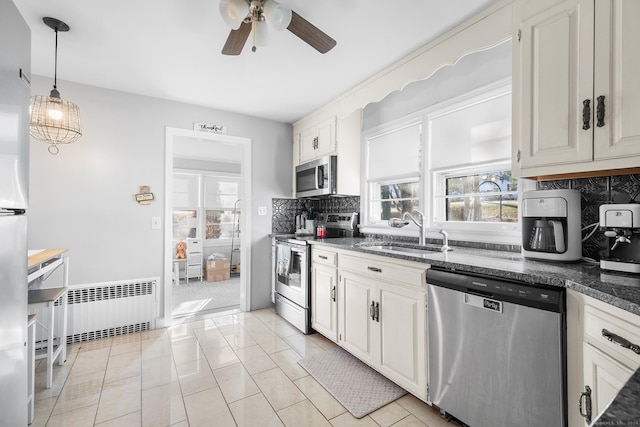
{"points": [[102, 310]]}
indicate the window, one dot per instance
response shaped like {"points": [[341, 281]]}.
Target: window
{"points": [[206, 205], [394, 161], [474, 189], [464, 184]]}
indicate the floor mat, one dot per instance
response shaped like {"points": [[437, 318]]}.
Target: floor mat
{"points": [[360, 389]]}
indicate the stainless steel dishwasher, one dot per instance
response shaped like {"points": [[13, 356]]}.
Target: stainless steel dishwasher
{"points": [[496, 351]]}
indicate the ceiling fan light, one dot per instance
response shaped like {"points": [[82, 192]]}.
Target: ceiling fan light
{"points": [[233, 12], [260, 33], [278, 15]]}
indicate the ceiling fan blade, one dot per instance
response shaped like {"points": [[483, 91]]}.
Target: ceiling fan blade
{"points": [[236, 40], [310, 34]]}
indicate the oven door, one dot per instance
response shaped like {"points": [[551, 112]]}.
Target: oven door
{"points": [[292, 274]]}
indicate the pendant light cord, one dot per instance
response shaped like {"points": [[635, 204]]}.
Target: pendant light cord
{"points": [[55, 63]]}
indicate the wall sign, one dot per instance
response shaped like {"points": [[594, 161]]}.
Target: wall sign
{"points": [[145, 196], [210, 127]]}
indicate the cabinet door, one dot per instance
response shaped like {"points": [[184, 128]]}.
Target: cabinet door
{"points": [[357, 328], [553, 75], [326, 138], [308, 141], [324, 316], [617, 67], [403, 336], [605, 376]]}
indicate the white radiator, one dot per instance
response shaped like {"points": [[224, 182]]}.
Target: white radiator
{"points": [[108, 309]]}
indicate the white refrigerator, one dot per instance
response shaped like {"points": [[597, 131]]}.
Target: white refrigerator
{"points": [[15, 68]]}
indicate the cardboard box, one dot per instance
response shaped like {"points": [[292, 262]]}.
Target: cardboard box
{"points": [[218, 264], [217, 274]]}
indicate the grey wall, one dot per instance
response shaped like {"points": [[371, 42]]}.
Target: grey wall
{"points": [[82, 199], [470, 72]]}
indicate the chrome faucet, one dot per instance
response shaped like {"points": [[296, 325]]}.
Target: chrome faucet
{"points": [[445, 241], [397, 223]]}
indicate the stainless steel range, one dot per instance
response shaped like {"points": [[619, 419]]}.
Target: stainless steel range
{"points": [[291, 265]]}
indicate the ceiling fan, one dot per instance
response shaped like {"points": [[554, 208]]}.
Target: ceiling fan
{"points": [[243, 16]]}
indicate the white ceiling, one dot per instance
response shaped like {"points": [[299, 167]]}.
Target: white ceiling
{"points": [[170, 49]]}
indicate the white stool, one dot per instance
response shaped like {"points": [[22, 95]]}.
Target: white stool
{"points": [[52, 299]]}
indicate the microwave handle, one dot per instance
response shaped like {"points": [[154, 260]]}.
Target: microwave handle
{"points": [[317, 180]]}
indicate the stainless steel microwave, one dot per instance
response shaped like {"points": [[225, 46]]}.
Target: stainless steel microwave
{"points": [[317, 178]]}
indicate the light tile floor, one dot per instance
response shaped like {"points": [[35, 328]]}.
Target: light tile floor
{"points": [[225, 369]]}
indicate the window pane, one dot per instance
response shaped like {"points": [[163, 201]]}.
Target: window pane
{"points": [[186, 190], [392, 200], [397, 209], [405, 190], [185, 224], [221, 224], [220, 192], [500, 204], [483, 208], [480, 183]]}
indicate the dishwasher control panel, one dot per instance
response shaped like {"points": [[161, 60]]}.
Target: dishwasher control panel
{"points": [[538, 296]]}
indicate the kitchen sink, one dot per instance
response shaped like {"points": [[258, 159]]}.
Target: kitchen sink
{"points": [[413, 250]]}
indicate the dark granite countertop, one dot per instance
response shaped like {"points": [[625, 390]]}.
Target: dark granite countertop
{"points": [[621, 290], [618, 289]]}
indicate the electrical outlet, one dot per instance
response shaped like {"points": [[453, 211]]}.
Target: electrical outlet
{"points": [[262, 210], [155, 223]]}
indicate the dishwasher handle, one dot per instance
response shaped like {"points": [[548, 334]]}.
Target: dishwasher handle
{"points": [[481, 301]]}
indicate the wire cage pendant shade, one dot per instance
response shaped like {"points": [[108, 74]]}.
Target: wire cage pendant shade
{"points": [[54, 120]]}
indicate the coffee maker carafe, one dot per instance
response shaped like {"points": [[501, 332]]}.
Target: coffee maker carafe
{"points": [[621, 224], [551, 225]]}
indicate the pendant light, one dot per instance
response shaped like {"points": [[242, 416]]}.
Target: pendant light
{"points": [[54, 120]]}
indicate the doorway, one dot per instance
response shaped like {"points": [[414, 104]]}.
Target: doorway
{"points": [[219, 167]]}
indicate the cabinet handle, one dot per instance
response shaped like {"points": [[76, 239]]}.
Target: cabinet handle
{"points": [[315, 143], [376, 269], [600, 111], [322, 257], [586, 394], [586, 114], [622, 342], [376, 313], [372, 310], [333, 294]]}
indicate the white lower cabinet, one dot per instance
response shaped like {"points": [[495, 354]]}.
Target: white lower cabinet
{"points": [[606, 365], [604, 376], [382, 317], [324, 293]]}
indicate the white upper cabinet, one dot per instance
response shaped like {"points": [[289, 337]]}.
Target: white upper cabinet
{"points": [[616, 69], [574, 69], [318, 140]]}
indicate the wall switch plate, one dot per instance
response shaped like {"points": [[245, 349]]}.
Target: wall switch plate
{"points": [[262, 210], [155, 223]]}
